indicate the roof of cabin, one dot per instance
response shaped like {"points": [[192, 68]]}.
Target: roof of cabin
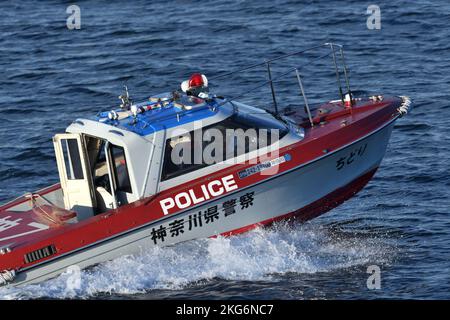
{"points": [[162, 114]]}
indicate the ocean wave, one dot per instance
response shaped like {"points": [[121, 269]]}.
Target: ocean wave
{"points": [[260, 255]]}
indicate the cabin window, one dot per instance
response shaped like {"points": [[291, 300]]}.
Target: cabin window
{"points": [[121, 169], [256, 133], [172, 169], [72, 160]]}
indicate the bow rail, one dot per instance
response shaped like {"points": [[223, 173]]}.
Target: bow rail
{"points": [[271, 80]]}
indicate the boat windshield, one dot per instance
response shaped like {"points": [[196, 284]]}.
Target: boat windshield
{"points": [[237, 135], [258, 120]]}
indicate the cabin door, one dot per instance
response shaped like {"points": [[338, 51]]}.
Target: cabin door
{"points": [[74, 173]]}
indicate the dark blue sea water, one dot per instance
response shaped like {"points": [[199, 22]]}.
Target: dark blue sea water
{"points": [[51, 75]]}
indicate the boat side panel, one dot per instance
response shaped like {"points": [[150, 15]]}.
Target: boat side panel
{"points": [[296, 190], [316, 208], [323, 142]]}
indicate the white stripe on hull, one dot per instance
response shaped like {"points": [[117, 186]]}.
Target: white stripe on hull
{"points": [[278, 196]]}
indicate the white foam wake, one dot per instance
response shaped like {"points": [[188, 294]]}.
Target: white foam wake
{"points": [[258, 255]]}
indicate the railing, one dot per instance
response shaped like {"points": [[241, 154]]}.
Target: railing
{"points": [[271, 79]]}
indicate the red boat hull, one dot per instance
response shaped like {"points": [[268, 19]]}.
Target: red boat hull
{"points": [[337, 157]]}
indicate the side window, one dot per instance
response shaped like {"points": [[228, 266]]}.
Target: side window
{"points": [[72, 160], [179, 156], [120, 169], [184, 154]]}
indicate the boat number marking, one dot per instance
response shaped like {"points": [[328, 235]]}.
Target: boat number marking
{"points": [[351, 157], [263, 166], [191, 197], [197, 220]]}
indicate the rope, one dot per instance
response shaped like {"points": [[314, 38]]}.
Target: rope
{"points": [[7, 276], [404, 107], [34, 205]]}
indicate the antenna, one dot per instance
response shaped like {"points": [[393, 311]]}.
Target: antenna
{"points": [[338, 78], [302, 90], [346, 75], [269, 72]]}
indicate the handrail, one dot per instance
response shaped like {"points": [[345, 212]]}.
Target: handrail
{"points": [[274, 80], [268, 61], [271, 79]]}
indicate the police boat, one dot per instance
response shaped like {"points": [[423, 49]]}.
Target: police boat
{"points": [[190, 164]]}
